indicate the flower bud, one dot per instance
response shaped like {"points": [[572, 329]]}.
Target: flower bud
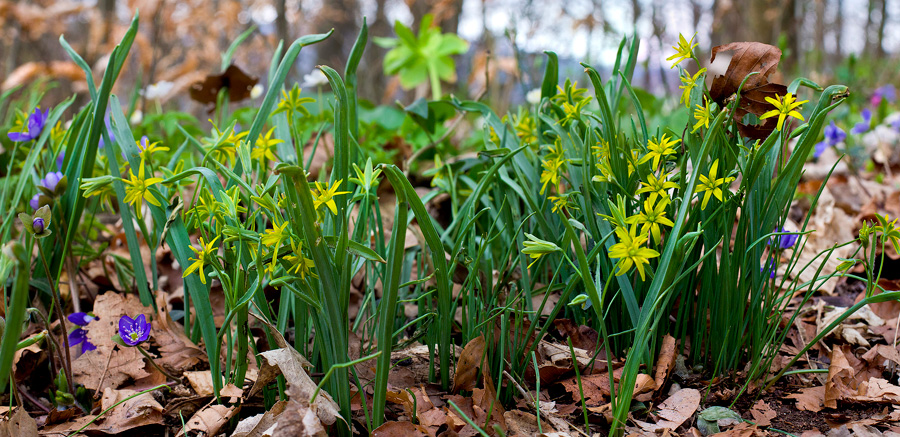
{"points": [[38, 225]]}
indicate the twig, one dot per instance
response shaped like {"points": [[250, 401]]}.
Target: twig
{"points": [[530, 399], [103, 375], [30, 398], [54, 291]]}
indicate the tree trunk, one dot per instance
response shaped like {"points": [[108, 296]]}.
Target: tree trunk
{"points": [[373, 73], [879, 49], [339, 15], [820, 50], [281, 21]]}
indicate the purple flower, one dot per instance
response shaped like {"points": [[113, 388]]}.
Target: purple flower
{"points": [[49, 182], [38, 225], [864, 125], [833, 136], [134, 331], [60, 159], [770, 266], [886, 92], [35, 202], [36, 122], [78, 335], [81, 319], [785, 241]]}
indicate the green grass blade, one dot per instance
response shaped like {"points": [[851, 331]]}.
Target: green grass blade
{"points": [[388, 309], [15, 312], [551, 75], [439, 261], [350, 78], [226, 57]]}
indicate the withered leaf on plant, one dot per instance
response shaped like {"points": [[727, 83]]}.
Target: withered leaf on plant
{"points": [[749, 57], [233, 78]]}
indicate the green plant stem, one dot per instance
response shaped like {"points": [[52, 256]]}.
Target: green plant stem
{"points": [[156, 366], [435, 84], [388, 309], [331, 370], [67, 359]]}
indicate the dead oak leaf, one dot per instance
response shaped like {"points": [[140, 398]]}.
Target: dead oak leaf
{"points": [[595, 388], [665, 361], [19, 424], [810, 399], [288, 362], [176, 351], [748, 57], [400, 429], [762, 413], [111, 366], [674, 411], [466, 373], [209, 420], [139, 411]]}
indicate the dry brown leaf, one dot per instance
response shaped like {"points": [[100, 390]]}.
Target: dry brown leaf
{"points": [[469, 362], [298, 419], [521, 423], [643, 387], [210, 419], [30, 71], [121, 365], [675, 410], [400, 398], [878, 390], [400, 429], [19, 424], [743, 429], [665, 361], [111, 364], [177, 352], [141, 410], [583, 337], [881, 353], [433, 419], [260, 425], [839, 370], [288, 362], [561, 356], [27, 359], [748, 57], [201, 382], [810, 399], [762, 413], [233, 78], [595, 387]]}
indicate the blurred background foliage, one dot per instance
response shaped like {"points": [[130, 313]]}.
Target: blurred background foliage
{"points": [[831, 41]]}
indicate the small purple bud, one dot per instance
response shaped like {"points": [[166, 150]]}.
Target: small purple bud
{"points": [[38, 225]]}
